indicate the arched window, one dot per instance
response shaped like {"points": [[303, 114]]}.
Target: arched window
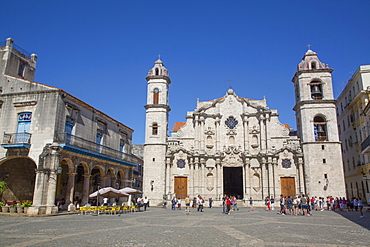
{"points": [[316, 90], [156, 71], [313, 65], [155, 129], [320, 129], [155, 96]]}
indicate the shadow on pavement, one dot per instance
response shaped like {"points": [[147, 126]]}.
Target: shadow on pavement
{"points": [[355, 217]]}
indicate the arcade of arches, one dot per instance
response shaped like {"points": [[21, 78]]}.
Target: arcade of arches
{"points": [[59, 174]]}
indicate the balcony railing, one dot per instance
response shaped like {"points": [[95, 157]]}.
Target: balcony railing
{"points": [[92, 146], [16, 138], [365, 145]]}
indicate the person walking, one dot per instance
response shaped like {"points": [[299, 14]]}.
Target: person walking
{"points": [[228, 205], [235, 203], [146, 203], [187, 204], [210, 201], [360, 207], [282, 205], [250, 204], [272, 203], [173, 203], [200, 202]]}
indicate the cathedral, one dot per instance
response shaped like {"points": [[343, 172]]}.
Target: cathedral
{"points": [[237, 146]]}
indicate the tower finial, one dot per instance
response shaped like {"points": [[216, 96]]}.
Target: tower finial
{"points": [[230, 80], [309, 46], [159, 56]]}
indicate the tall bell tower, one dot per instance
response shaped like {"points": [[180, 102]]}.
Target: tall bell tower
{"points": [[156, 131], [317, 128]]}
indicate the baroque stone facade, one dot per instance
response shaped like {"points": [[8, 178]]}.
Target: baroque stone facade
{"points": [[237, 146]]}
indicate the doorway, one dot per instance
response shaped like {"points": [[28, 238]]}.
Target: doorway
{"points": [[287, 186], [181, 187], [233, 181]]}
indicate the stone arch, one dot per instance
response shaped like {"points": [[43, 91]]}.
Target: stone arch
{"points": [[110, 178], [69, 163], [19, 175], [320, 128], [120, 178], [97, 173]]}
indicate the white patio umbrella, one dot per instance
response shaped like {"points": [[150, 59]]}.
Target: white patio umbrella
{"points": [[109, 192], [131, 192]]}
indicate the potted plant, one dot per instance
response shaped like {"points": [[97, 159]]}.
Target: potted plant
{"points": [[25, 205], [2, 205], [19, 208], [2, 189], [12, 208], [5, 208]]}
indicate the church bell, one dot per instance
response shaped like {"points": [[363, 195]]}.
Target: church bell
{"points": [[316, 90]]}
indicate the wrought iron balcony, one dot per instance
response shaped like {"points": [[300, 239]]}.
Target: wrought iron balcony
{"points": [[365, 146], [16, 140], [75, 141]]}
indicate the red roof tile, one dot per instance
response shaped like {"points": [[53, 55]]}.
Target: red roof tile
{"points": [[178, 125]]}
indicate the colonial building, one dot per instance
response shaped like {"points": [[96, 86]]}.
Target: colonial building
{"points": [[237, 146], [54, 145], [353, 125]]}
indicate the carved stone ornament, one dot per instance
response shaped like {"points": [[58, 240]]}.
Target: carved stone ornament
{"points": [[209, 131], [232, 150], [254, 130], [231, 132], [26, 103]]}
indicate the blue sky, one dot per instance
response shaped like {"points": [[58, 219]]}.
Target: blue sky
{"points": [[101, 51]]}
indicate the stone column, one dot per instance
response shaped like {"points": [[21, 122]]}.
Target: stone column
{"points": [[103, 181], [196, 175], [268, 135], [202, 180], [39, 188], [271, 178], [217, 135], [86, 189], [220, 179], [246, 132], [302, 189], [70, 188], [196, 132], [201, 135], [193, 178], [275, 171], [168, 177], [263, 180], [247, 179], [52, 185], [262, 134]]}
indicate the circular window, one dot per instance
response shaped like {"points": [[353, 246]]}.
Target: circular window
{"points": [[181, 163], [231, 122]]}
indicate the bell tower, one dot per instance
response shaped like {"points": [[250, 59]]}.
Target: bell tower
{"points": [[156, 129], [317, 128]]}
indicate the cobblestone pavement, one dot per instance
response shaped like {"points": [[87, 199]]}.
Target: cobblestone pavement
{"points": [[164, 227]]}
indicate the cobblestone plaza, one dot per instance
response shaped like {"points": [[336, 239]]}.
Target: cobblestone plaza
{"points": [[160, 227]]}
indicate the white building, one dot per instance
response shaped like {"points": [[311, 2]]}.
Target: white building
{"points": [[237, 146], [353, 125]]}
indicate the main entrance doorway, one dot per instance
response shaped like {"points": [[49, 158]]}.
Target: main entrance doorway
{"points": [[181, 187], [233, 181], [287, 186]]}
